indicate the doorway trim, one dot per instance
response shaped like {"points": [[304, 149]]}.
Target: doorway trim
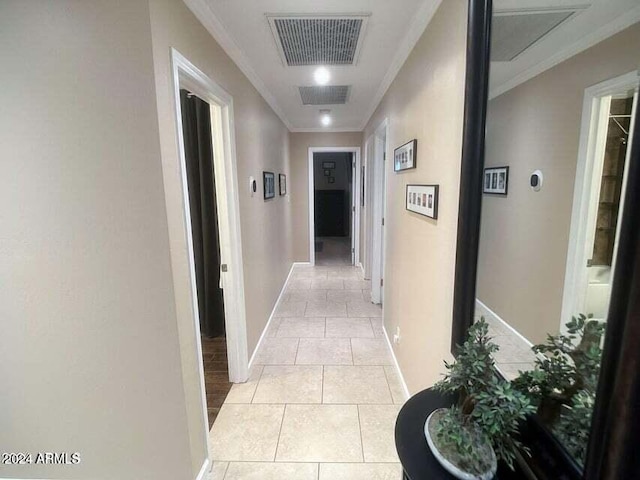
{"points": [[355, 200], [378, 204], [187, 75], [592, 144]]}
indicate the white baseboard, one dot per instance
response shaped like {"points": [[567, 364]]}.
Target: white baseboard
{"points": [[488, 313], [273, 311], [405, 389], [204, 471], [361, 268]]}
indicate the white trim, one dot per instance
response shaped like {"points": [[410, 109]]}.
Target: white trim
{"points": [[490, 313], [273, 313], [584, 187], [378, 209], [326, 130], [204, 471], [355, 201], [421, 19], [368, 162], [203, 12], [184, 73], [602, 33], [361, 268], [405, 389]]}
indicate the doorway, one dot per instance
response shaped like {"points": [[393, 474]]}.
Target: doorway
{"points": [[379, 185], [201, 183], [610, 111], [187, 76], [334, 206]]}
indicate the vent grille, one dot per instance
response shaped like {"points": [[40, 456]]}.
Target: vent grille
{"points": [[328, 95], [513, 33], [318, 41]]}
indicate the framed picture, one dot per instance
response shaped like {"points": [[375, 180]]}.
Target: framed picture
{"points": [[269, 180], [404, 157], [496, 180], [282, 182], [423, 199], [331, 179], [327, 173], [329, 165]]}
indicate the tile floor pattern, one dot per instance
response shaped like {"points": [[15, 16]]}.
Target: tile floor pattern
{"points": [[323, 395]]}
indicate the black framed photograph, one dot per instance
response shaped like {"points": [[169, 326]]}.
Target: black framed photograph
{"points": [[329, 165], [282, 182], [496, 180], [332, 179], [327, 173], [269, 180], [404, 157], [423, 199]]}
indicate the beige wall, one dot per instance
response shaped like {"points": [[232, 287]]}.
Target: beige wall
{"points": [[299, 144], [524, 238], [425, 102], [262, 143], [89, 355]]}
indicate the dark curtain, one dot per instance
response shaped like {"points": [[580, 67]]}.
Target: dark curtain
{"points": [[196, 125]]}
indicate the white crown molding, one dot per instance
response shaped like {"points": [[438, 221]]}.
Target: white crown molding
{"points": [[325, 130], [421, 20], [617, 25], [201, 10]]}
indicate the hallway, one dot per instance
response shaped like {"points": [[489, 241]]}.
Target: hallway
{"points": [[323, 395], [333, 251]]}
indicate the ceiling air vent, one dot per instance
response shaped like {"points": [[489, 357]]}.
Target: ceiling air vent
{"points": [[326, 95], [514, 32], [314, 40]]}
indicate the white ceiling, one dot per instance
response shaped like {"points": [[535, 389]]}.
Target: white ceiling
{"points": [[599, 20], [393, 28]]}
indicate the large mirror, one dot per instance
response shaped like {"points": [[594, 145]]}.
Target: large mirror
{"points": [[562, 102]]}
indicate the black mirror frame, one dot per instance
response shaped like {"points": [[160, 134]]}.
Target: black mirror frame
{"points": [[615, 435]]}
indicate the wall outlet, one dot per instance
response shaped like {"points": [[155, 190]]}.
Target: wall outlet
{"points": [[396, 336]]}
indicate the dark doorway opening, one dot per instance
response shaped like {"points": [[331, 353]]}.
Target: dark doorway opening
{"points": [[198, 146], [333, 211]]}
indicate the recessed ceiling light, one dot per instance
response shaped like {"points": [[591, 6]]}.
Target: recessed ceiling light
{"points": [[325, 118], [322, 76]]}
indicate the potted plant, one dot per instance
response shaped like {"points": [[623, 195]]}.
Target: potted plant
{"points": [[470, 437], [563, 383]]}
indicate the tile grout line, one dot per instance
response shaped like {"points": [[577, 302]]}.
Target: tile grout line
{"points": [[360, 429], [226, 470], [284, 412]]}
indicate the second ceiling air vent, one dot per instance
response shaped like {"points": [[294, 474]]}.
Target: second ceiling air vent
{"points": [[514, 32], [318, 40], [325, 95]]}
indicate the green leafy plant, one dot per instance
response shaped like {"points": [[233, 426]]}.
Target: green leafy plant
{"points": [[574, 424], [489, 408], [569, 364]]}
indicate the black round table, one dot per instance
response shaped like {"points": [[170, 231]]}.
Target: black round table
{"points": [[418, 463]]}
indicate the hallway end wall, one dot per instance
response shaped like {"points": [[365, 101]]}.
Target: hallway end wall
{"points": [[425, 102], [262, 143], [299, 144]]}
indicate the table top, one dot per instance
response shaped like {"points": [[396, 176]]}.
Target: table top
{"points": [[417, 460]]}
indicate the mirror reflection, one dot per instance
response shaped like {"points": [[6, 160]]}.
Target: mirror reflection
{"points": [[563, 99]]}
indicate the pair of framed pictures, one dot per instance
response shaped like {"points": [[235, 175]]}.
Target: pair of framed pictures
{"points": [[496, 180], [328, 171], [423, 199], [269, 182]]}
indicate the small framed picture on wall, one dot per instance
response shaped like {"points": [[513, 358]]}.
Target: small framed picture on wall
{"points": [[423, 199], [404, 157], [269, 180], [282, 182], [496, 180]]}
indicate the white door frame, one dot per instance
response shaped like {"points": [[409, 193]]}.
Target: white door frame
{"points": [[587, 184], [187, 75], [378, 204], [355, 201], [368, 208]]}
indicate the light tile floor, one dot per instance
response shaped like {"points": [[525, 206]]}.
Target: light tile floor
{"points": [[323, 395]]}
